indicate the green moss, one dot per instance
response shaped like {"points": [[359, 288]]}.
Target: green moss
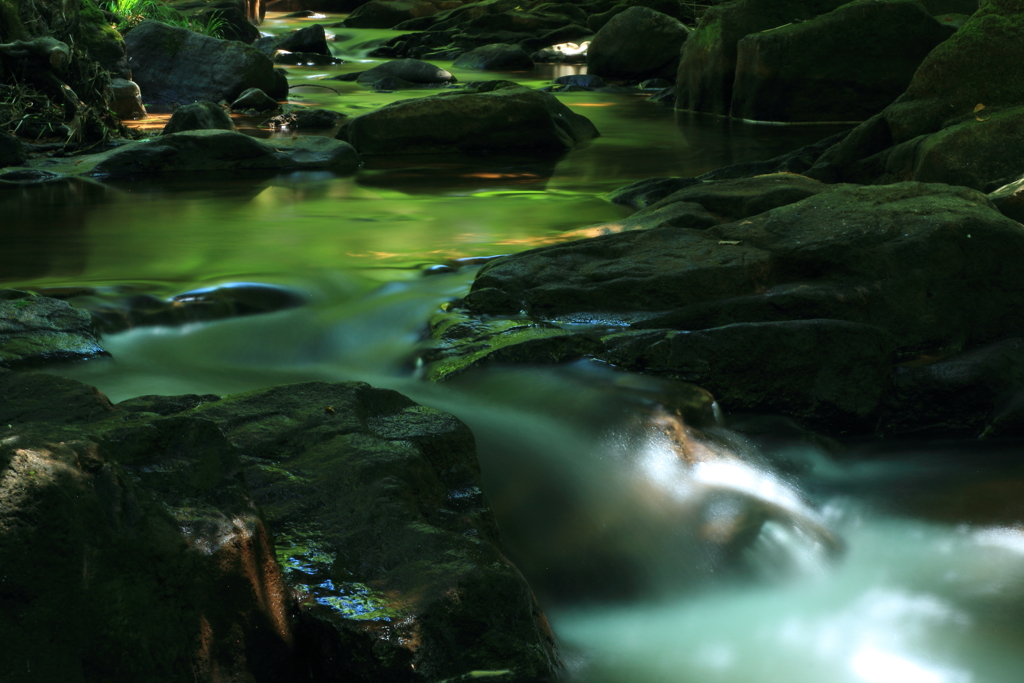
{"points": [[11, 27], [706, 35], [91, 14]]}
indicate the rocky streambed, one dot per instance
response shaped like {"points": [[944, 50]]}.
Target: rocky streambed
{"points": [[727, 387]]}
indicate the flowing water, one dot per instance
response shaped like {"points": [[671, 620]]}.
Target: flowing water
{"points": [[614, 530]]}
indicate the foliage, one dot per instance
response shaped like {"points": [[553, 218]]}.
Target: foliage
{"points": [[131, 13]]}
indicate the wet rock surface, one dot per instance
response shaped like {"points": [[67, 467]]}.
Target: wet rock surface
{"points": [[507, 119], [130, 550], [36, 330], [115, 309], [411, 70], [496, 57], [209, 150], [198, 116], [312, 39], [392, 565], [254, 99], [390, 491], [970, 394], [126, 99], [846, 280]]}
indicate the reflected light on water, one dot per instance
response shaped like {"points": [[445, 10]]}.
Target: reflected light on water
{"points": [[873, 665], [1007, 538]]}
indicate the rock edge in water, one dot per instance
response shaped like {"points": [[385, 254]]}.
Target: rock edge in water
{"points": [[147, 526]]}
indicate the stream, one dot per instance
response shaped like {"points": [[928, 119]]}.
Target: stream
{"points": [[594, 509]]}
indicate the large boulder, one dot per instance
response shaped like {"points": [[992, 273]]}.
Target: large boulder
{"points": [[846, 65], [131, 548], [134, 549], [639, 43], [967, 70], [177, 66], [832, 372], [377, 505], [36, 330], [965, 394], [837, 282], [976, 153], [513, 119], [707, 65], [928, 263]]}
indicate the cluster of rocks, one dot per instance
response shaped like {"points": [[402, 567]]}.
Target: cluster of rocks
{"points": [[867, 284], [808, 60], [847, 306], [137, 540], [534, 27]]}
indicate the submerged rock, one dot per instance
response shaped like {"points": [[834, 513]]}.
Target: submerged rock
{"points": [[496, 57], [212, 150], [116, 309], [411, 70], [36, 330], [507, 119]]}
